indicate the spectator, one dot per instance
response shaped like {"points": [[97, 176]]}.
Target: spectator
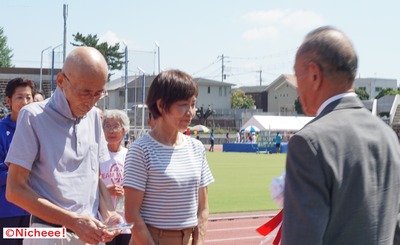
{"points": [[55, 153], [19, 92], [237, 140], [169, 203], [278, 140], [39, 96], [211, 140], [115, 126]]}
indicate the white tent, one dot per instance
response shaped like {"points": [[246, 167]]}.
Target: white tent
{"points": [[278, 123]]}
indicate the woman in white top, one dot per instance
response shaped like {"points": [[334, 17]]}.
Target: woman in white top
{"points": [[166, 172], [115, 126]]}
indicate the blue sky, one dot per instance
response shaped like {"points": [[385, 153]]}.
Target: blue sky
{"points": [[253, 35]]}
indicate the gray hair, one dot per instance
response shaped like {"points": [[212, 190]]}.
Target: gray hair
{"points": [[117, 115], [332, 50]]}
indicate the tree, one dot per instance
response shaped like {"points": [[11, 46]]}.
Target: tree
{"points": [[386, 91], [204, 115], [297, 106], [362, 94], [5, 51], [110, 52], [240, 100]]}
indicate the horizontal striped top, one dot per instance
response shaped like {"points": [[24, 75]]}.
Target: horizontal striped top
{"points": [[170, 177]]}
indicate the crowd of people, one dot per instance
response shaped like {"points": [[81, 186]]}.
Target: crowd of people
{"points": [[65, 163]]}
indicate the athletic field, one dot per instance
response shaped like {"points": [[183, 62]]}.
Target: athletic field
{"points": [[242, 181]]}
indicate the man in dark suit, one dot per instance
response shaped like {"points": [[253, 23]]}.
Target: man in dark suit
{"points": [[343, 168]]}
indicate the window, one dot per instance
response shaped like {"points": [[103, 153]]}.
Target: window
{"points": [[377, 89], [363, 88], [225, 91], [220, 91], [209, 89]]}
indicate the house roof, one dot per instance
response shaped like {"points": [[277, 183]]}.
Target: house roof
{"points": [[120, 82], [253, 89], [291, 79], [284, 79], [208, 82]]}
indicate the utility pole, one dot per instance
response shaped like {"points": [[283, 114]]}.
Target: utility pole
{"points": [[65, 11], [158, 59], [260, 71], [222, 77]]}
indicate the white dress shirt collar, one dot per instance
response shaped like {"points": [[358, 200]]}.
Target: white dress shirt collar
{"points": [[336, 97]]}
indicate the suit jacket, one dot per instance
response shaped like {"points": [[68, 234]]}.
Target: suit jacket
{"points": [[342, 179]]}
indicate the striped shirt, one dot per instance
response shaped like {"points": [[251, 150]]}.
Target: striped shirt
{"points": [[170, 177]]}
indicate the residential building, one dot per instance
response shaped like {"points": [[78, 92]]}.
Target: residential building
{"points": [[282, 93], [373, 85], [259, 95], [212, 94]]}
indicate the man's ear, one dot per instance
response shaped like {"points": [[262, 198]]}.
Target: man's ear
{"points": [[59, 80], [316, 75]]}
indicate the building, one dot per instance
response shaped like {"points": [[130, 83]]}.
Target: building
{"points": [[259, 95], [373, 85], [8, 73], [212, 94], [282, 94]]}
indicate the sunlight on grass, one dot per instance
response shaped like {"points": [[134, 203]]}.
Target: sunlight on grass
{"points": [[242, 181]]}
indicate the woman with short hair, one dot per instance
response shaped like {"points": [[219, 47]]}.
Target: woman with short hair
{"points": [[166, 172]]}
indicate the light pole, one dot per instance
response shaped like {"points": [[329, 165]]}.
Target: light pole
{"points": [[126, 77], [158, 53], [143, 94], [52, 67], [41, 66]]}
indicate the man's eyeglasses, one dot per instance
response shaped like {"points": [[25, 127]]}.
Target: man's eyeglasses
{"points": [[86, 95]]}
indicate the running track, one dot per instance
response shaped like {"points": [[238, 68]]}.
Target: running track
{"points": [[237, 228]]}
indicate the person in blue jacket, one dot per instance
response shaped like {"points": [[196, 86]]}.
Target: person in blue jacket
{"points": [[19, 92]]}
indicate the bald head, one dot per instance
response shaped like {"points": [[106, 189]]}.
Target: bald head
{"points": [[333, 51], [86, 61], [83, 79]]}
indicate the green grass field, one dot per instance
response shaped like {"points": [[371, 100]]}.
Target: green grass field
{"points": [[242, 181]]}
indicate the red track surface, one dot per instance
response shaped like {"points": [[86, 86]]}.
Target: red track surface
{"points": [[237, 228]]}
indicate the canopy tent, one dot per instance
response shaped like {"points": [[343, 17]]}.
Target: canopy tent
{"points": [[278, 123]]}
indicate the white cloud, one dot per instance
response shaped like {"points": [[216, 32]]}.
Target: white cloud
{"points": [[303, 20], [111, 38], [269, 24], [261, 33]]}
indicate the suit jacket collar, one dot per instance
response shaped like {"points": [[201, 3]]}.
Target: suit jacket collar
{"points": [[340, 104]]}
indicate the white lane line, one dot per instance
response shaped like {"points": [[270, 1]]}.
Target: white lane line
{"points": [[234, 239], [232, 229]]}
